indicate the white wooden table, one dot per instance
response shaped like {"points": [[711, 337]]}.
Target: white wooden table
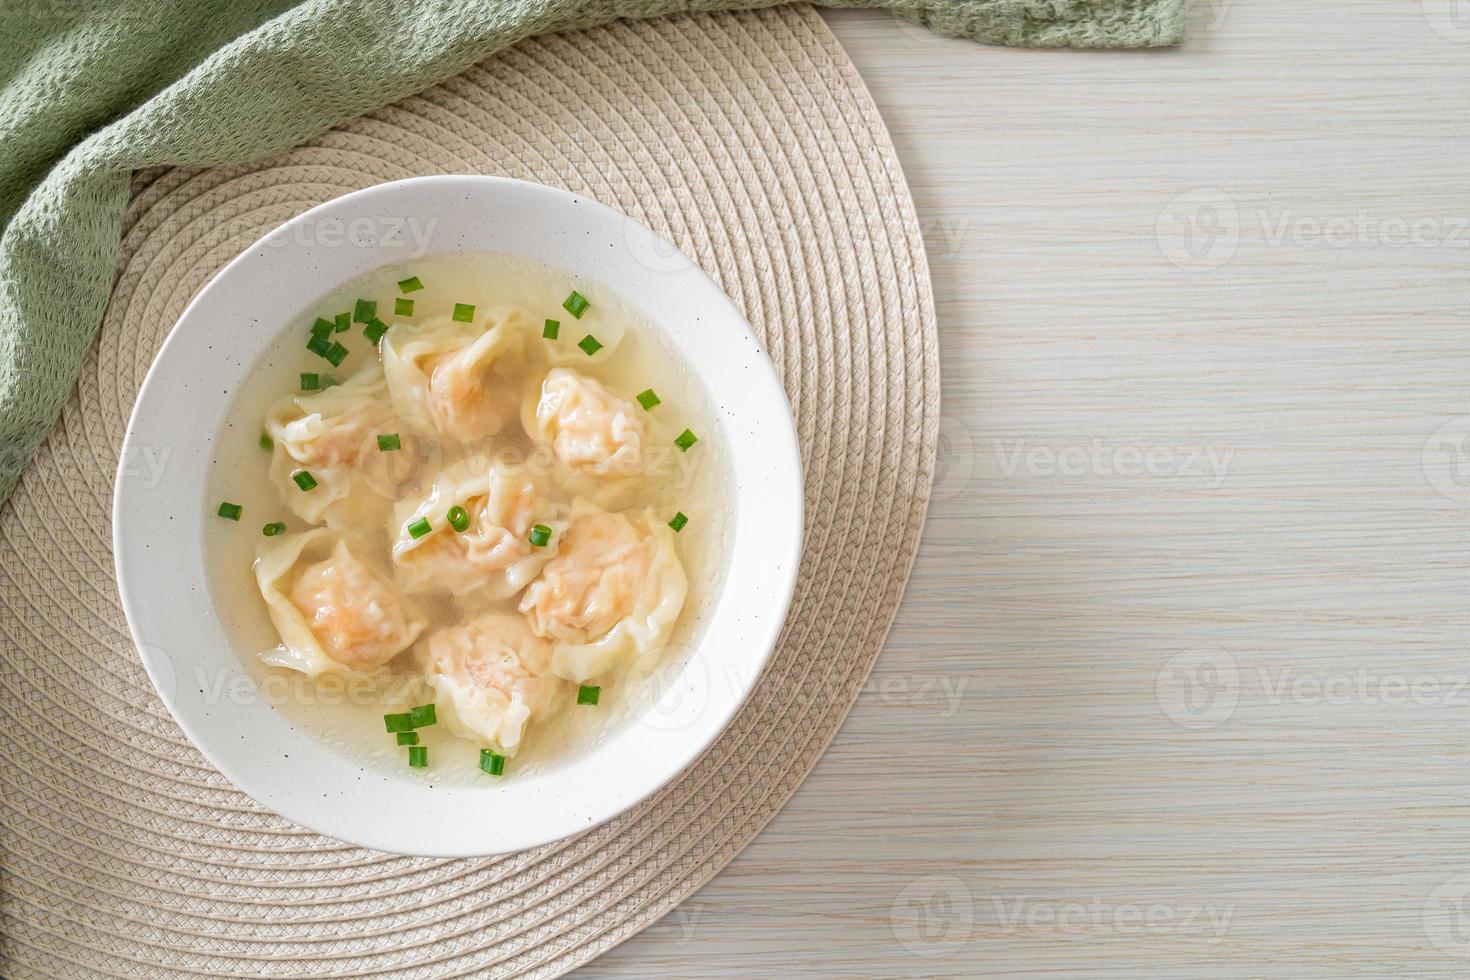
{"points": [[1181, 684]]}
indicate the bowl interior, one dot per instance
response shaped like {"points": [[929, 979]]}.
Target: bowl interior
{"points": [[160, 510]]}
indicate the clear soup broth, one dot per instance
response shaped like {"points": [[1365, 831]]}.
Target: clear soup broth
{"points": [[455, 491]]}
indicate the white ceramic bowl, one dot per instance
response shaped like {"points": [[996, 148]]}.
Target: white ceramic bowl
{"points": [[158, 525]]}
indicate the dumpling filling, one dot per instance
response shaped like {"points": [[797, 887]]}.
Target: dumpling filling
{"points": [[591, 429], [491, 675]]}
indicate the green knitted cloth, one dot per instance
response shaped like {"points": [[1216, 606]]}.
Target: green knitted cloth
{"points": [[94, 89]]}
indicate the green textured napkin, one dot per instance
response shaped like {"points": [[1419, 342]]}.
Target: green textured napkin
{"points": [[94, 89]]}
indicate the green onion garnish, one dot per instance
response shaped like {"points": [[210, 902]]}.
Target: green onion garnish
{"points": [[374, 331], [552, 328], [304, 480], [273, 528], [540, 535], [343, 322], [310, 382], [403, 307], [680, 519], [364, 311], [423, 716], [401, 722], [419, 528], [336, 354], [322, 327], [648, 399], [685, 440], [458, 519], [463, 313], [319, 344], [388, 443], [418, 756], [492, 762], [576, 304], [230, 512], [588, 694], [408, 738], [589, 344], [409, 285], [266, 442]]}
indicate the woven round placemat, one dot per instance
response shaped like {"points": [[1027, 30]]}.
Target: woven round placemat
{"points": [[750, 142]]}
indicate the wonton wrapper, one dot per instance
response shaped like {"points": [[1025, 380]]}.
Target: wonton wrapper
{"points": [[494, 555], [334, 613], [490, 677], [444, 372], [328, 433], [590, 429], [611, 594]]}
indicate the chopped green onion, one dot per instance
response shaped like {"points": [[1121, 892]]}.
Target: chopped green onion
{"points": [[423, 716], [540, 535], [230, 512], [401, 722], [403, 307], [648, 399], [304, 480], [680, 519], [273, 528], [328, 380], [365, 310], [266, 442], [685, 440], [319, 344], [458, 519], [492, 762], [419, 528], [322, 327], [374, 331], [343, 322], [409, 285], [588, 694], [552, 328], [575, 304], [388, 443], [418, 756], [336, 354], [310, 382], [463, 313], [589, 345], [408, 738]]}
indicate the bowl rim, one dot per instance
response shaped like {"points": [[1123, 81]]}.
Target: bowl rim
{"points": [[140, 604]]}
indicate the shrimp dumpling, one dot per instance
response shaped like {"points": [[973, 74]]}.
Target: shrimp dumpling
{"points": [[445, 372], [612, 593], [590, 429], [333, 611], [327, 434], [493, 555], [490, 677]]}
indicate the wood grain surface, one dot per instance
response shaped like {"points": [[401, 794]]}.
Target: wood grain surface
{"points": [[1181, 684]]}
